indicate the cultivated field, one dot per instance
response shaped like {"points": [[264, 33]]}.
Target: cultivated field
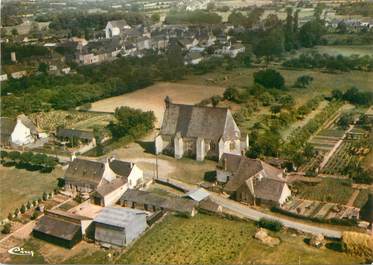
{"points": [[328, 190], [208, 239], [18, 186], [152, 98]]}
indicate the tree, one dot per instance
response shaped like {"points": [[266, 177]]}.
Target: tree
{"points": [[310, 33], [14, 156], [43, 67], [155, 17], [16, 212], [337, 94], [303, 81], [14, 32], [272, 44], [286, 101], [269, 78], [231, 94], [45, 196], [275, 109], [23, 209], [7, 228], [10, 216]]}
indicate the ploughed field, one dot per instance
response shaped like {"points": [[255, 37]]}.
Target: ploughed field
{"points": [[152, 97]]}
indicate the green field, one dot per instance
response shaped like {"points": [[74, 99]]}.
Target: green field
{"points": [[19, 185], [345, 50], [328, 190]]}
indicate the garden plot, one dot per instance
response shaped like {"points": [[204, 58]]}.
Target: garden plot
{"points": [[326, 139], [320, 210]]}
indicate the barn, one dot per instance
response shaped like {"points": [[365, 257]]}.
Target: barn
{"points": [[117, 226]]}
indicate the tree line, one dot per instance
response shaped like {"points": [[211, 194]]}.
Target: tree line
{"points": [[28, 160]]}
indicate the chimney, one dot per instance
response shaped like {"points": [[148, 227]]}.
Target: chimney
{"points": [[13, 57]]}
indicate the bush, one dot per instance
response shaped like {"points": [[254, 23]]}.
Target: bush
{"points": [[35, 215], [6, 229], [232, 94], [269, 78], [270, 224], [23, 209], [45, 196]]}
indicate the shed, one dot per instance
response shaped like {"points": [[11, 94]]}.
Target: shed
{"points": [[116, 226], [198, 194], [61, 228]]}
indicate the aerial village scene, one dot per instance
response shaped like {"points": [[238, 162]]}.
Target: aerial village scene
{"points": [[186, 132]]}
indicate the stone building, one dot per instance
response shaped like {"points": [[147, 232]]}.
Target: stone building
{"points": [[198, 132], [252, 181]]}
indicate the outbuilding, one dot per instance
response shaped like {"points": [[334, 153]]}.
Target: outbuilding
{"points": [[117, 226]]}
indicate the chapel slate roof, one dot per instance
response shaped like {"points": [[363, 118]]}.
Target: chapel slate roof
{"points": [[57, 227], [69, 133], [198, 121]]}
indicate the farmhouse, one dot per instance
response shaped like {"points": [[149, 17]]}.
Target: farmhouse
{"points": [[20, 131], [116, 226], [252, 181], [198, 132], [71, 135], [116, 28], [153, 202], [108, 180], [62, 228]]}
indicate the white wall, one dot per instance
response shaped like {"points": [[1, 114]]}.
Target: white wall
{"points": [[21, 135], [284, 195], [135, 177]]}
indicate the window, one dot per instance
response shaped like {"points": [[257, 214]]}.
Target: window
{"points": [[232, 146]]}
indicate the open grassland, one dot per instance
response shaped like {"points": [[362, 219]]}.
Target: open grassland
{"points": [[345, 50], [323, 82], [328, 190], [17, 186], [152, 98]]}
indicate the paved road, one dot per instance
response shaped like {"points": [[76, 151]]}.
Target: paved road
{"points": [[241, 210], [255, 215]]}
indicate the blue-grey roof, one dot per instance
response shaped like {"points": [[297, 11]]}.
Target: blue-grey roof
{"points": [[117, 216], [198, 194]]}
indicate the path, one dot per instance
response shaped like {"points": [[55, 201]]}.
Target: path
{"points": [[353, 198], [240, 210]]}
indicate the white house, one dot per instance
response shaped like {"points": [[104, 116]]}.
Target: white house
{"points": [[116, 28], [107, 180], [18, 75], [3, 77], [24, 131]]}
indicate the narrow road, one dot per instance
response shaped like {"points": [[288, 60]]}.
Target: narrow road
{"points": [[241, 210]]}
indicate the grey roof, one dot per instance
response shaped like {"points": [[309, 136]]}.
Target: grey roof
{"points": [[243, 168], [91, 172], [103, 46], [68, 215], [28, 123], [117, 216], [268, 189], [209, 205], [198, 194], [6, 128], [120, 167], [85, 171], [69, 133], [119, 23], [57, 227], [109, 187], [172, 204], [199, 121]]}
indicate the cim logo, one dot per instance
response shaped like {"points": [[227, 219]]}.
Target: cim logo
{"points": [[20, 252]]}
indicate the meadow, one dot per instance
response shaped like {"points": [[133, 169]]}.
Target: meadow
{"points": [[19, 186]]}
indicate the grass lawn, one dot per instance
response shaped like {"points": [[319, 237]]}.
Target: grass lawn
{"points": [[19, 185], [328, 190], [345, 50]]}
